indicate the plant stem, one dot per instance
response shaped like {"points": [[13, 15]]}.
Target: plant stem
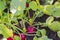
{"points": [[1, 17], [38, 2]]}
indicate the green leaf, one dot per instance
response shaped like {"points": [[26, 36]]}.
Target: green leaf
{"points": [[16, 37], [58, 0], [5, 31], [58, 34], [39, 13], [28, 1], [49, 9], [0, 31], [43, 38], [57, 4], [40, 8], [38, 2], [40, 39], [56, 12], [38, 33], [43, 32], [2, 5], [14, 20], [24, 30], [33, 5], [18, 5], [35, 38], [5, 18], [20, 16], [53, 10], [49, 20], [55, 26], [30, 21], [48, 2]]}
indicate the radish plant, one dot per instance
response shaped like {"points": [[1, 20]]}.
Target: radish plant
{"points": [[17, 19]]}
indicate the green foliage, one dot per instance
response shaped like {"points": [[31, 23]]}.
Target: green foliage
{"points": [[49, 20], [58, 33], [2, 5], [5, 18], [49, 9], [39, 13], [43, 32], [43, 38], [53, 10], [16, 11], [30, 21], [18, 5], [5, 31], [16, 38], [33, 5], [55, 26], [24, 30], [48, 2], [35, 38], [58, 0], [38, 33]]}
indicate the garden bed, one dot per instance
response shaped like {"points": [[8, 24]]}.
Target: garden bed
{"points": [[29, 19]]}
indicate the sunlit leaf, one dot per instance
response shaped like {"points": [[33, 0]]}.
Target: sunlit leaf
{"points": [[5, 31], [58, 34], [33, 5], [2, 5], [30, 21], [39, 13], [53, 10], [43, 32], [18, 5], [49, 9], [48, 2], [55, 26], [16, 37], [40, 8], [5, 18], [35, 38], [43, 38], [38, 33], [24, 30], [49, 20]]}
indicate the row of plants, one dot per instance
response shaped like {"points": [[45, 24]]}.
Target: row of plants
{"points": [[14, 15]]}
